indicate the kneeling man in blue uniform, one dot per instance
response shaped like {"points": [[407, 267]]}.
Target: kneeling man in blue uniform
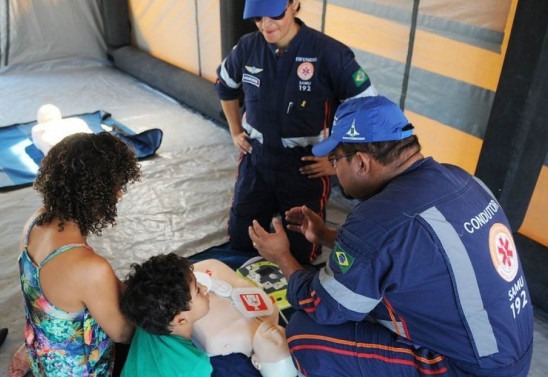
{"points": [[423, 278]]}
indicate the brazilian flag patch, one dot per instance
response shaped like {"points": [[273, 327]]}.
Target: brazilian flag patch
{"points": [[343, 259], [360, 77]]}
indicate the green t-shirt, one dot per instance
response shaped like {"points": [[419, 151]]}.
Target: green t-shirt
{"points": [[164, 356]]}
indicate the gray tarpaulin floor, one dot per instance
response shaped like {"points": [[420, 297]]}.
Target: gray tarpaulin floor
{"points": [[180, 205]]}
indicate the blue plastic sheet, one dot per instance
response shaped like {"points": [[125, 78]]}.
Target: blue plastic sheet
{"points": [[20, 159]]}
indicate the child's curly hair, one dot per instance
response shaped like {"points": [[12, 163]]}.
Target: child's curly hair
{"points": [[80, 177], [156, 291]]}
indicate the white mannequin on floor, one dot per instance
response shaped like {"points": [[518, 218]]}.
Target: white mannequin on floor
{"points": [[51, 128], [225, 329], [270, 352]]}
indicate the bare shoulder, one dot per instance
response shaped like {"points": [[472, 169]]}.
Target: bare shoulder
{"points": [[33, 216], [94, 267], [27, 225]]}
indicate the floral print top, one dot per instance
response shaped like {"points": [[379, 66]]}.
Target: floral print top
{"points": [[60, 343]]}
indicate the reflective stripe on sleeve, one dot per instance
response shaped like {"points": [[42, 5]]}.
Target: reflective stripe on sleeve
{"points": [[223, 73], [466, 282], [344, 296]]}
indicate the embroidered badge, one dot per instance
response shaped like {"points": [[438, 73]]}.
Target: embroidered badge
{"points": [[360, 77], [253, 70], [305, 71], [251, 80], [352, 132], [343, 259], [503, 251]]}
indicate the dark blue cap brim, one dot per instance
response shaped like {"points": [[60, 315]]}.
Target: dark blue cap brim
{"points": [[264, 8]]}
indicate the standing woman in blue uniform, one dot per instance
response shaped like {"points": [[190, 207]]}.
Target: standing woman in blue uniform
{"points": [[292, 78]]}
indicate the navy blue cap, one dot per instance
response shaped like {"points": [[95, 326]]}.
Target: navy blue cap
{"points": [[365, 120], [264, 8]]}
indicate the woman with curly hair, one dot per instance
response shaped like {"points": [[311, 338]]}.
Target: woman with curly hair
{"points": [[71, 293]]}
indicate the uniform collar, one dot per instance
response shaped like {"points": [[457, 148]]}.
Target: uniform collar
{"points": [[294, 42]]}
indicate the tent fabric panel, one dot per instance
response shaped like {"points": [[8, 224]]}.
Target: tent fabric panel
{"points": [[167, 30], [34, 37], [453, 92], [435, 137], [452, 102], [368, 33], [515, 144], [386, 74], [4, 32], [116, 19], [312, 13], [432, 52], [477, 23], [435, 96], [487, 14], [534, 224], [475, 36], [457, 60], [209, 31], [184, 33], [181, 85]]}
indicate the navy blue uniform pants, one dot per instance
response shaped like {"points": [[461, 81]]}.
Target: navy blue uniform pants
{"points": [[358, 349], [366, 348], [261, 194]]}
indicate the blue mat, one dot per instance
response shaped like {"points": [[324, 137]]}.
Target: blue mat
{"points": [[20, 159], [225, 253]]}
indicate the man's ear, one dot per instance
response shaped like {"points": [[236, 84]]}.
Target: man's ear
{"points": [[363, 161]]}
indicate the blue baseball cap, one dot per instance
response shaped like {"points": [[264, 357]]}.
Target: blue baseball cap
{"points": [[264, 8], [365, 120]]}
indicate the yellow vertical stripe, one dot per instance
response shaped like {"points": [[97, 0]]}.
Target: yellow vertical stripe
{"points": [[535, 224], [446, 144]]}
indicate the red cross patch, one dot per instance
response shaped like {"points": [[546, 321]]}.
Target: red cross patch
{"points": [[503, 251], [305, 71]]}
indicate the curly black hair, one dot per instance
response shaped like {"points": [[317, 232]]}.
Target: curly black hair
{"points": [[156, 291], [80, 177]]}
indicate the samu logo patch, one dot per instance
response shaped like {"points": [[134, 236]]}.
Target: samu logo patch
{"points": [[342, 259], [360, 77], [503, 251]]}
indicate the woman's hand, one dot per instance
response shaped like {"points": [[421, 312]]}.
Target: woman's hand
{"points": [[242, 143], [317, 167]]}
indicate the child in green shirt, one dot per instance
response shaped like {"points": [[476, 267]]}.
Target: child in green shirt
{"points": [[163, 299]]}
